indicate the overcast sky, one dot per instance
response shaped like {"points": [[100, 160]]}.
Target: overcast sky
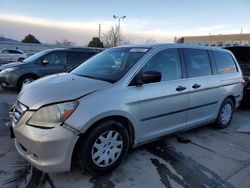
{"points": [[161, 20]]}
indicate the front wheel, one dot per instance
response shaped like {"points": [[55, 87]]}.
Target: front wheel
{"points": [[25, 80], [104, 148], [20, 59], [225, 113]]}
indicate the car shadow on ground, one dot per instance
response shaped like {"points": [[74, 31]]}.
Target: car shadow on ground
{"points": [[169, 164]]}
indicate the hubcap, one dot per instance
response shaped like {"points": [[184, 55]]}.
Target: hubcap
{"points": [[27, 81], [226, 114], [107, 148]]}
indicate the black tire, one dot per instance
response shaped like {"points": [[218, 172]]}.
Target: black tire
{"points": [[219, 121], [22, 79], [20, 59], [86, 147]]}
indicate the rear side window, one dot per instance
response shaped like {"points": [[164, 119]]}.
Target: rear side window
{"points": [[78, 57], [224, 62], [198, 63]]}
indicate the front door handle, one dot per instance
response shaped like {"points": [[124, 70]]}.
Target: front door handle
{"points": [[195, 86], [180, 88]]}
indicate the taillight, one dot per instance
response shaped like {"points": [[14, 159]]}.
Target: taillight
{"points": [[243, 82]]}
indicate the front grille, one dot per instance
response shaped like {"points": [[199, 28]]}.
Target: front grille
{"points": [[17, 111]]}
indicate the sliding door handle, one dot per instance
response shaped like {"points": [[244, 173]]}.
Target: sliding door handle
{"points": [[196, 86], [180, 88]]}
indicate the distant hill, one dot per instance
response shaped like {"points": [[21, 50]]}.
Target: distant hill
{"points": [[3, 39]]}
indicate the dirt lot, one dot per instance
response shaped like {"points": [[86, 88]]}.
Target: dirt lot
{"points": [[210, 158]]}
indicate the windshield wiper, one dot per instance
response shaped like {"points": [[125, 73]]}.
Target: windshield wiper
{"points": [[96, 78]]}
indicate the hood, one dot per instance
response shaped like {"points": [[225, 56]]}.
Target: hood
{"points": [[9, 65], [58, 88]]}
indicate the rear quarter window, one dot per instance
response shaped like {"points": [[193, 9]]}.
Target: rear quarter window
{"points": [[224, 62]]}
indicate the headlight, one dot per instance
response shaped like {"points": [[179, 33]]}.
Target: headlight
{"points": [[52, 115], [9, 70]]}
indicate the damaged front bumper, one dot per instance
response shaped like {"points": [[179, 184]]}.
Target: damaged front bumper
{"points": [[49, 150]]}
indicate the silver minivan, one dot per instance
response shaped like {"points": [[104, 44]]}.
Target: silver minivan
{"points": [[122, 98]]}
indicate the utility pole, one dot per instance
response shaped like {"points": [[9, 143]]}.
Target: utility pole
{"points": [[209, 38], [100, 31], [241, 40]]}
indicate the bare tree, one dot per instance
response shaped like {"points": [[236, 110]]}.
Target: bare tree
{"points": [[179, 40], [111, 38], [95, 42], [64, 42], [125, 42]]}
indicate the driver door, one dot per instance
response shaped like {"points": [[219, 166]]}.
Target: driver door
{"points": [[163, 105]]}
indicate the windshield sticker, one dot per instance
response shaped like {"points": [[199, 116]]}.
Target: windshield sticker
{"points": [[141, 50]]}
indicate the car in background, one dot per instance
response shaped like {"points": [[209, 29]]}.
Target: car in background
{"points": [[15, 75], [10, 55], [242, 54]]}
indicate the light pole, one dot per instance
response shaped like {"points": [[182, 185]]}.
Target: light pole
{"points": [[209, 38], [119, 25]]}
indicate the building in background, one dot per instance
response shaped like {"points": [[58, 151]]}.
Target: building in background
{"points": [[219, 40]]}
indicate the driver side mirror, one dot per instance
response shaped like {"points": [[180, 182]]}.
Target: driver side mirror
{"points": [[148, 77], [45, 62]]}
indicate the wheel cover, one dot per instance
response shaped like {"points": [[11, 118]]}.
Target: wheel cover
{"points": [[107, 148], [27, 81], [226, 114]]}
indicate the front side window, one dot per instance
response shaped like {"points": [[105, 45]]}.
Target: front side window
{"points": [[74, 58], [14, 52], [56, 58], [197, 62], [224, 62], [35, 57], [110, 65], [167, 62]]}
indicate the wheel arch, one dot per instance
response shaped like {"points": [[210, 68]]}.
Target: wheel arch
{"points": [[20, 59], [122, 119], [227, 97], [24, 75], [232, 98]]}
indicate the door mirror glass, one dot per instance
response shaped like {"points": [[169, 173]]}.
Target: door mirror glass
{"points": [[148, 77]]}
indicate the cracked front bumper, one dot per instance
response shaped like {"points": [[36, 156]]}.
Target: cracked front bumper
{"points": [[49, 150]]}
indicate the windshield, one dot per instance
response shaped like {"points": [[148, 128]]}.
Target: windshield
{"points": [[110, 65], [35, 56]]}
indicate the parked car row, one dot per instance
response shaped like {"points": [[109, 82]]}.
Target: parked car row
{"points": [[15, 75], [10, 55], [119, 99]]}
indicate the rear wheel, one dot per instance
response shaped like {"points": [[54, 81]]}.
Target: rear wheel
{"points": [[225, 114], [104, 148]]}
